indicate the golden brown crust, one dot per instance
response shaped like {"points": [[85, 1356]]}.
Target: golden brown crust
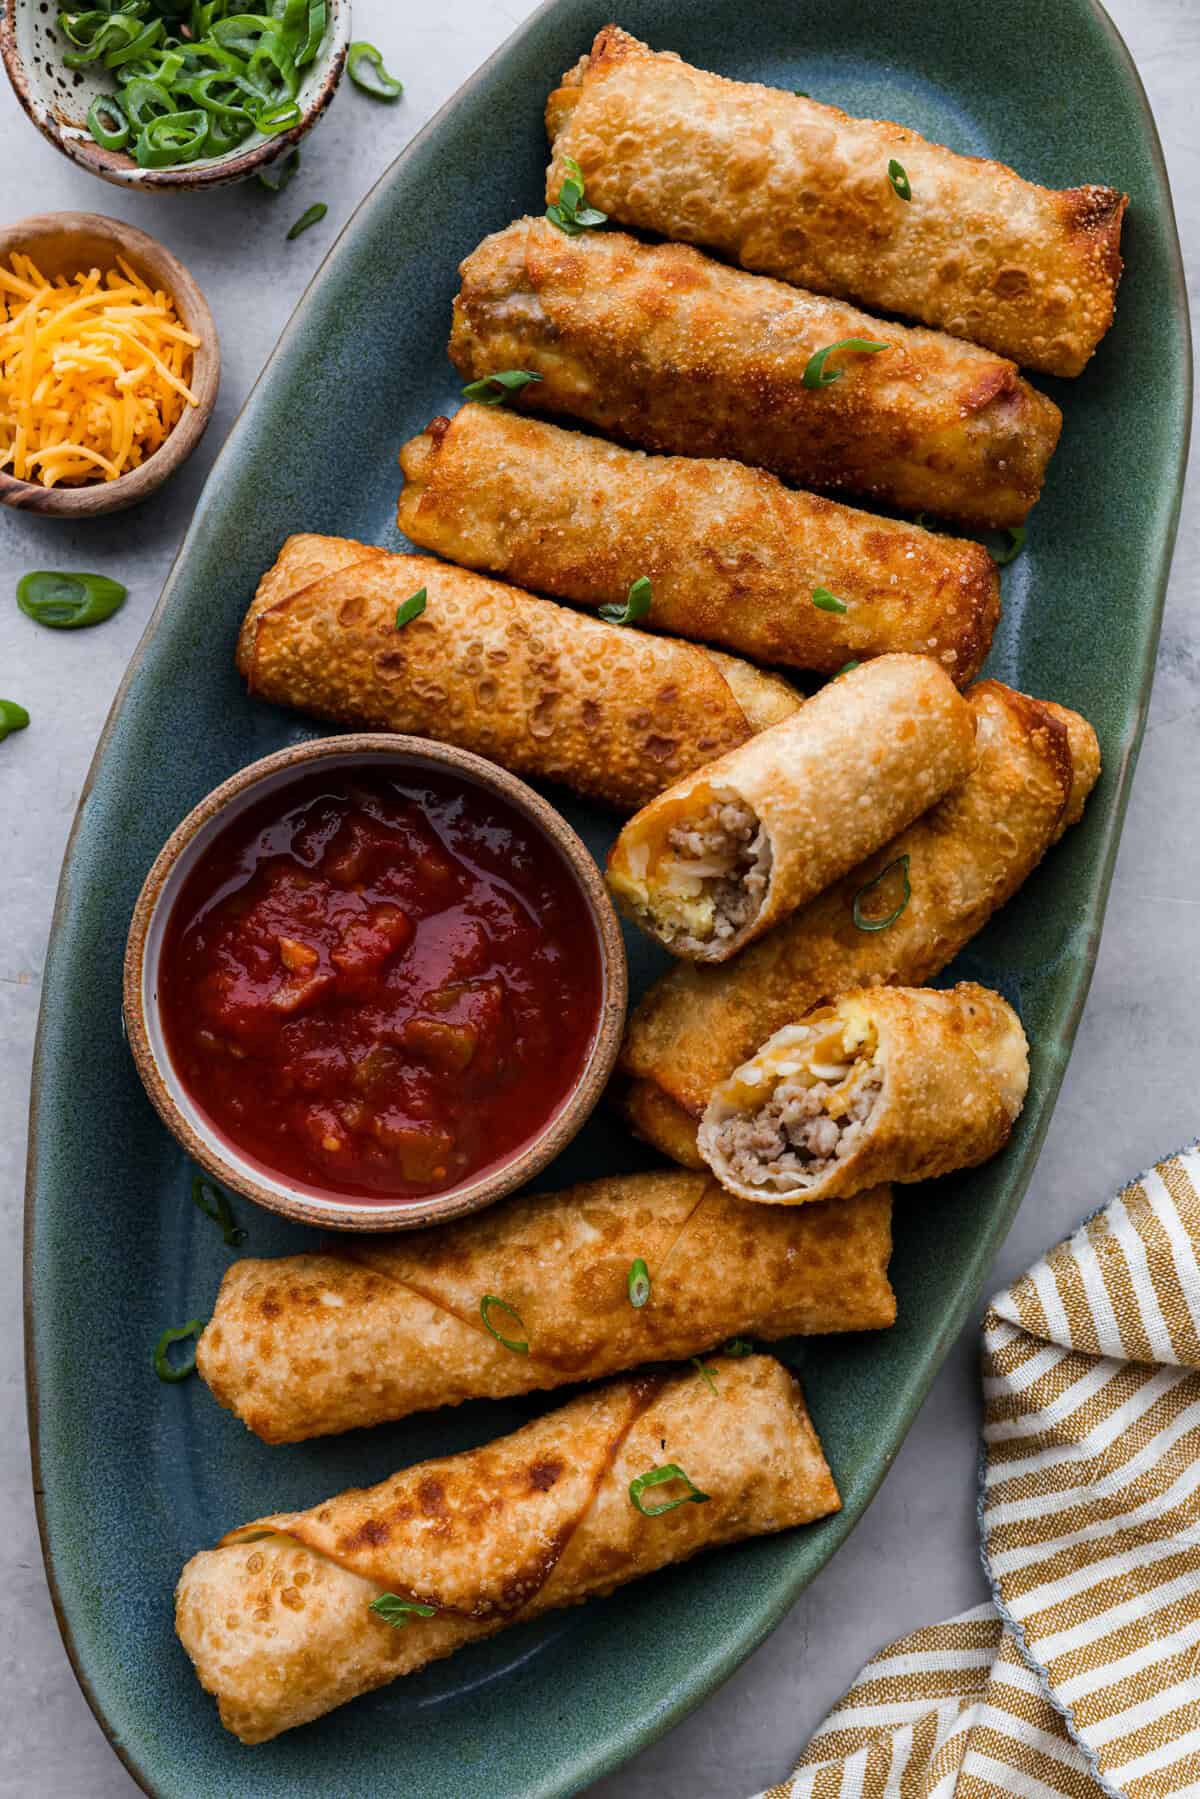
{"points": [[798, 190], [308, 1345], [613, 713], [732, 555], [967, 857], [277, 1618], [660, 346]]}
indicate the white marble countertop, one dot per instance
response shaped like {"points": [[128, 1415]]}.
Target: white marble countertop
{"points": [[1131, 1092]]}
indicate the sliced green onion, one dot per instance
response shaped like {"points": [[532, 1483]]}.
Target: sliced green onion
{"points": [[313, 216], [277, 118], [318, 15], [399, 1612], [801, 93], [706, 1372], [493, 390], [364, 65], [12, 718], [176, 137], [176, 1371], [107, 122], [881, 924], [737, 1346], [568, 212], [825, 601], [412, 608], [489, 1300], [814, 373], [214, 1203], [899, 179], [68, 602], [846, 667], [636, 607], [639, 1284], [277, 174], [1016, 543], [654, 1477]]}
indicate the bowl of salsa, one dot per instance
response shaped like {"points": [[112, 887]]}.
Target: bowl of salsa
{"points": [[374, 982]]}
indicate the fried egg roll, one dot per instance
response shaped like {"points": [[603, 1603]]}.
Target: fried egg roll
{"points": [[662, 347], [959, 862], [376, 1328], [733, 556], [888, 1083], [791, 188], [277, 1619], [727, 852], [614, 713]]}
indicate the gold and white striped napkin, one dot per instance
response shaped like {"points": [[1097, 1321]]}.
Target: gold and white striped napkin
{"points": [[1084, 1677]]}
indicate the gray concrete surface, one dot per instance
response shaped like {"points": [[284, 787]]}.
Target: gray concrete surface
{"points": [[1131, 1091]]}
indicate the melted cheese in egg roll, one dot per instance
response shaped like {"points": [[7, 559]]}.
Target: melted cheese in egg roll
{"points": [[277, 1619], [733, 556], [965, 858], [792, 188], [551, 694], [378, 1327], [888, 1083], [665, 348], [727, 852]]}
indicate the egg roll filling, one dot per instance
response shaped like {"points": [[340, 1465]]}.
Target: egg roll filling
{"points": [[709, 876], [801, 1106]]}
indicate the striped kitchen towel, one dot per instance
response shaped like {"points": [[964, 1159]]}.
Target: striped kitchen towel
{"points": [[1084, 1676]]}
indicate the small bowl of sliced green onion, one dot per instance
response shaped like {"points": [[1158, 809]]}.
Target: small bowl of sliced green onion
{"points": [[179, 94]]}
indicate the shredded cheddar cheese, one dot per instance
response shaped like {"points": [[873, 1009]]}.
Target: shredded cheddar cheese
{"points": [[94, 372]]}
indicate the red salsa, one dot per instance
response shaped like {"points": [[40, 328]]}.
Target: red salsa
{"points": [[379, 983]]}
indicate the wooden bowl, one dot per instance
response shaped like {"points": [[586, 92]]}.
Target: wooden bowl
{"points": [[179, 1112], [57, 100], [61, 243]]}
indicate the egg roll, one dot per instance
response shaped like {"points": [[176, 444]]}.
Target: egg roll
{"points": [[374, 1328], [960, 861], [660, 346], [547, 692], [887, 1083], [789, 187], [732, 555], [727, 852], [277, 1619]]}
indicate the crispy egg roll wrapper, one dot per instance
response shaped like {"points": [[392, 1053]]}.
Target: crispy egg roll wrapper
{"points": [[732, 555], [789, 187], [967, 856], [547, 692], [660, 346], [888, 1083], [307, 1345], [277, 1619], [730, 850]]}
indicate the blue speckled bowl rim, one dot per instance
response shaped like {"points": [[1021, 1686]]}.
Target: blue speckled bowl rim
{"points": [[718, 1668]]}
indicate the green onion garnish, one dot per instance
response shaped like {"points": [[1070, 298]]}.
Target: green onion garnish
{"points": [[881, 924], [412, 608], [1016, 543], [824, 601], [485, 1306], [814, 373], [654, 1477], [214, 1203], [801, 93], [737, 1346], [107, 122], [706, 1372], [68, 602], [492, 390], [568, 212], [846, 667], [399, 1612], [899, 179], [176, 1371], [313, 216], [12, 718], [364, 65], [637, 604], [639, 1284], [277, 174]]}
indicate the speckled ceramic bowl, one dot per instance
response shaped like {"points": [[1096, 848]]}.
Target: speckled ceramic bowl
{"points": [[57, 100], [143, 1022]]}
